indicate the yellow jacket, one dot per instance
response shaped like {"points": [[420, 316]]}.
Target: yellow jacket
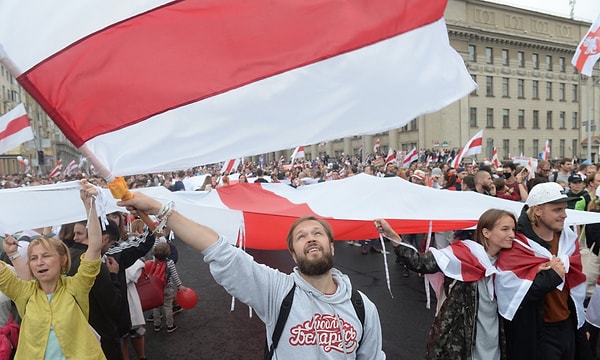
{"points": [[67, 313]]}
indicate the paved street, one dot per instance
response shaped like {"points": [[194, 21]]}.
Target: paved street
{"points": [[211, 331]]}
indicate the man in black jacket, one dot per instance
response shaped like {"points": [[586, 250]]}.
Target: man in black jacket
{"points": [[540, 286]]}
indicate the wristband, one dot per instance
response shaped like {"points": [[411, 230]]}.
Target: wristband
{"points": [[14, 256]]}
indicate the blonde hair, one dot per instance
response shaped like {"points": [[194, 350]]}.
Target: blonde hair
{"points": [[137, 226], [55, 247]]}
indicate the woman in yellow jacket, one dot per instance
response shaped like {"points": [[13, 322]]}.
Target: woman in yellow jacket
{"points": [[54, 307]]}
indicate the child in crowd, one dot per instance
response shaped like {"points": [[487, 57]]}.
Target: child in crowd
{"points": [[173, 284]]}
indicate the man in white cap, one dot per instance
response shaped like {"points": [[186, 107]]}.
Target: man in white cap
{"points": [[540, 285]]}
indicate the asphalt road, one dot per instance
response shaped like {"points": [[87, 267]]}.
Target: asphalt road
{"points": [[212, 331]]}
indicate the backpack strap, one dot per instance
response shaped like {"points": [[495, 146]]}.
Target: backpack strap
{"points": [[284, 312], [359, 308]]}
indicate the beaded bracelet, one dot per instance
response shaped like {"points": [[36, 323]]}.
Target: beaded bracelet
{"points": [[165, 211]]}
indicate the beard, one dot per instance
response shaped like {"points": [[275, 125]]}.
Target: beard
{"points": [[315, 267]]}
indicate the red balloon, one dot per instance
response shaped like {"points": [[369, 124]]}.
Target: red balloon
{"points": [[187, 298], [147, 266]]}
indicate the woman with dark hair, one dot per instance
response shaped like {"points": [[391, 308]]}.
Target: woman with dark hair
{"points": [[467, 323], [450, 180]]}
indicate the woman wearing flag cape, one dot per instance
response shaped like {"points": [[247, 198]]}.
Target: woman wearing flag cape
{"points": [[467, 324]]}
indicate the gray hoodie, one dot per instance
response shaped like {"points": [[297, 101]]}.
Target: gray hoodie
{"points": [[319, 326]]}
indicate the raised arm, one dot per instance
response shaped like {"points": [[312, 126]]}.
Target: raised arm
{"points": [[10, 245], [88, 195], [195, 235]]}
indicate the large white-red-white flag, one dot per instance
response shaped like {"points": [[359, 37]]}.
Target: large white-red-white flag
{"points": [[298, 153], [472, 147], [495, 160], [216, 70], [70, 167], [377, 146], [57, 169], [391, 156], [14, 128], [546, 153], [410, 156], [588, 50], [230, 166]]}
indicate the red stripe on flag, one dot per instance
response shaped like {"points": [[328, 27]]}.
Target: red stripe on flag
{"points": [[471, 268], [14, 126], [187, 51]]}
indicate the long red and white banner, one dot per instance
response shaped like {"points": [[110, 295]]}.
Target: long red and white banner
{"points": [[264, 212], [239, 77]]}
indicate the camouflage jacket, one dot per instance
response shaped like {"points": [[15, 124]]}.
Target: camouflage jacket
{"points": [[452, 334]]}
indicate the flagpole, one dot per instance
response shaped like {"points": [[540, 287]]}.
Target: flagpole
{"points": [[117, 185]]}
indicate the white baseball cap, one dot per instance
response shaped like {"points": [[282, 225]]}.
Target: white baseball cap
{"points": [[546, 193]]}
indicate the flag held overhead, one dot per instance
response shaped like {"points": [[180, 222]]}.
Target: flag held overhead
{"points": [[214, 69]]}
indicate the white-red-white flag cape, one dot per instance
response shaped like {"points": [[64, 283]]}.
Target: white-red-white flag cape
{"points": [[411, 156], [14, 129], [217, 71], [518, 267], [231, 165], [472, 147], [588, 51]]}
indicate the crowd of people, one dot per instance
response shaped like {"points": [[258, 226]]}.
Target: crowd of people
{"points": [[523, 296]]}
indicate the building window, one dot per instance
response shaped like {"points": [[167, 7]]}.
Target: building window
{"points": [[489, 55], [536, 119], [505, 60], [505, 82], [413, 125], [521, 88], [472, 53], [506, 148], [536, 147], [548, 119], [521, 119], [574, 147], [575, 93], [489, 86], [535, 60], [549, 62], [561, 148], [548, 90], [562, 119], [521, 58], [575, 121], [561, 92], [505, 118], [521, 146], [535, 89], [473, 117], [490, 118], [562, 64], [474, 92]]}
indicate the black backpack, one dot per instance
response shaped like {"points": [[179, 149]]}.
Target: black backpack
{"points": [[284, 312]]}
